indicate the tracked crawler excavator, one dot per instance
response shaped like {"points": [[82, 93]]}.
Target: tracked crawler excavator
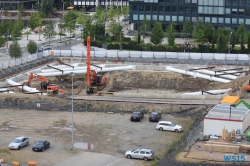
{"points": [[92, 78], [51, 88]]}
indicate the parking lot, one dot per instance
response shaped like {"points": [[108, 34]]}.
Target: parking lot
{"points": [[94, 132]]}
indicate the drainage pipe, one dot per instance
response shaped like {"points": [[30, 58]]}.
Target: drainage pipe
{"points": [[213, 73], [196, 74], [85, 71], [216, 92], [26, 88]]}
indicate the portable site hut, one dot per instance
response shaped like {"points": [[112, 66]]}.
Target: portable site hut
{"points": [[225, 115]]}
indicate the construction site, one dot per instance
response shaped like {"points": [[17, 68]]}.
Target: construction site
{"points": [[38, 103]]}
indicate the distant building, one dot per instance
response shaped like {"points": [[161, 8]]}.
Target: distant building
{"points": [[94, 3], [227, 13], [12, 4]]}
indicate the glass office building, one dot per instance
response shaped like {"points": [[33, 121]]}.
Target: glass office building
{"points": [[227, 13], [12, 4], [94, 3]]}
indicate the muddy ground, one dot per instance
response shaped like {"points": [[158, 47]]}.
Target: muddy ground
{"points": [[107, 133]]}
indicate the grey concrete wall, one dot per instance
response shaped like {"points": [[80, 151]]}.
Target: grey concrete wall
{"points": [[169, 96]]}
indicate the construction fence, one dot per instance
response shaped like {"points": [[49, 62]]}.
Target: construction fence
{"points": [[194, 135], [156, 57]]}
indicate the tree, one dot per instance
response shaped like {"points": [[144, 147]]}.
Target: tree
{"points": [[144, 26], [20, 7], [34, 20], [208, 31], [198, 31], [170, 35], [136, 38], [187, 27], [114, 28], [46, 6], [18, 26], [213, 39], [241, 30], [221, 40], [99, 20], [233, 40], [88, 29], [49, 32], [111, 13], [157, 33], [70, 19], [15, 50], [248, 41], [32, 47], [125, 12]]}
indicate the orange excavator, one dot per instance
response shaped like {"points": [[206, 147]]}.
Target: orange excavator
{"points": [[44, 84], [92, 78]]}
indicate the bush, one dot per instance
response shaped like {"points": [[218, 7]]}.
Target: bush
{"points": [[204, 48]]}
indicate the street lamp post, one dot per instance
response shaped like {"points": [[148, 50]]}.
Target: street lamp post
{"points": [[72, 110], [229, 43]]}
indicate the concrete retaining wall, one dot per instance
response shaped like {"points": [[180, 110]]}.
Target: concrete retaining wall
{"points": [[169, 96]]}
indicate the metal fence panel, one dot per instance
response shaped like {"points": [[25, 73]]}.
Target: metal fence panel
{"points": [[194, 135]]}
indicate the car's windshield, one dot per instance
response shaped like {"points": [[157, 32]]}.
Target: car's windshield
{"points": [[172, 124], [135, 114], [17, 141], [39, 143], [153, 115]]}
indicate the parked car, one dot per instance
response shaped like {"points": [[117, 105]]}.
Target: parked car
{"points": [[72, 36], [19, 142], [131, 33], [141, 153], [137, 116], [154, 117], [125, 18], [40, 49], [48, 48], [41, 146], [92, 10], [167, 125]]}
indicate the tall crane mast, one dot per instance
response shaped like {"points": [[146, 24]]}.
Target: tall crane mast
{"points": [[89, 89]]}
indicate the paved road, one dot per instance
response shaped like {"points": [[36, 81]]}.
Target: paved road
{"points": [[145, 100], [96, 159]]}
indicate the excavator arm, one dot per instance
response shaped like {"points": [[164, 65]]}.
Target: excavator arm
{"points": [[31, 76], [243, 102]]}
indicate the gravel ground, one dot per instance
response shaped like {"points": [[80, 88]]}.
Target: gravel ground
{"points": [[106, 133]]}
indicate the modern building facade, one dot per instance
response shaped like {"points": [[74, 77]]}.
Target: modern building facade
{"points": [[220, 13], [94, 3], [12, 4]]}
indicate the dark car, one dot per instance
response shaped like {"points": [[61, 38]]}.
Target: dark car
{"points": [[72, 36], [125, 18], [137, 116], [40, 49], [41, 146], [92, 10], [154, 117]]}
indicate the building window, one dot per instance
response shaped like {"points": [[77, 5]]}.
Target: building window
{"points": [[194, 19], [141, 7], [234, 2], [168, 1], [194, 1], [241, 20], [187, 18], [135, 16], [154, 8], [181, 9], [148, 17], [234, 21], [241, 11], [207, 19], [174, 1], [228, 2], [141, 17], [241, 3], [174, 9], [187, 9], [148, 8], [247, 2], [227, 21], [135, 8], [180, 18], [161, 0], [228, 11], [181, 1], [167, 18], [201, 18], [174, 18], [234, 11], [187, 1], [194, 10], [221, 20], [154, 17], [167, 9], [161, 18], [214, 20], [247, 21], [247, 12], [161, 8]]}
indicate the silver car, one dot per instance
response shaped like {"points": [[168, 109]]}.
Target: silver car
{"points": [[141, 153], [19, 142]]}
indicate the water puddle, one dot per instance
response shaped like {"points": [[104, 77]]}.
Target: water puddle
{"points": [[83, 145]]}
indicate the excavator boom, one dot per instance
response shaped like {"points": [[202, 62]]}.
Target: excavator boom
{"points": [[31, 76], [242, 101]]}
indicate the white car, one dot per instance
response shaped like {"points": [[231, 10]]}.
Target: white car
{"points": [[167, 125], [19, 142], [140, 153]]}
